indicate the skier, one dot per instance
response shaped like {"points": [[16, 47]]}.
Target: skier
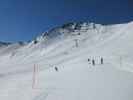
{"points": [[93, 62], [56, 69], [101, 60], [89, 60]]}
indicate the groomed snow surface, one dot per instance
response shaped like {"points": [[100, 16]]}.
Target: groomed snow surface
{"points": [[57, 68]]}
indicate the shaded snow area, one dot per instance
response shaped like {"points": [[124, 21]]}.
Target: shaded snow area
{"points": [[77, 61]]}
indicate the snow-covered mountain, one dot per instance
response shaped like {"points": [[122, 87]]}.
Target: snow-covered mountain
{"points": [[70, 29], [58, 65]]}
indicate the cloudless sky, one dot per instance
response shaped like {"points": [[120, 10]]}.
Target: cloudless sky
{"points": [[23, 20]]}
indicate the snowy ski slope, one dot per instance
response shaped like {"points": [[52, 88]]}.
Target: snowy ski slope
{"points": [[28, 70]]}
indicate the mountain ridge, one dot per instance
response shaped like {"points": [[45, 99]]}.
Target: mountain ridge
{"points": [[71, 28]]}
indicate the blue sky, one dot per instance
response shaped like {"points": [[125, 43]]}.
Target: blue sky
{"points": [[22, 20]]}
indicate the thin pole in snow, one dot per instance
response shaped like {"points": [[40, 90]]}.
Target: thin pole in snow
{"points": [[34, 76], [76, 42], [120, 61]]}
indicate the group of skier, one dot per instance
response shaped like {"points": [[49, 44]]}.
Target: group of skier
{"points": [[93, 62]]}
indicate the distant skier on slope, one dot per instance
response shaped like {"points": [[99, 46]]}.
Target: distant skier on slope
{"points": [[93, 62], [101, 60], [56, 69], [89, 60]]}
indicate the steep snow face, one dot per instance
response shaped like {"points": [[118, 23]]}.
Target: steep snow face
{"points": [[67, 30], [83, 34], [89, 30], [28, 71]]}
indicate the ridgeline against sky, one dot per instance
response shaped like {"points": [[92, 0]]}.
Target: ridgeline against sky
{"points": [[22, 20]]}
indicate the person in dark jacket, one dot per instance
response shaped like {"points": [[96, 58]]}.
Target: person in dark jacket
{"points": [[101, 60], [56, 69], [93, 62], [89, 61]]}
